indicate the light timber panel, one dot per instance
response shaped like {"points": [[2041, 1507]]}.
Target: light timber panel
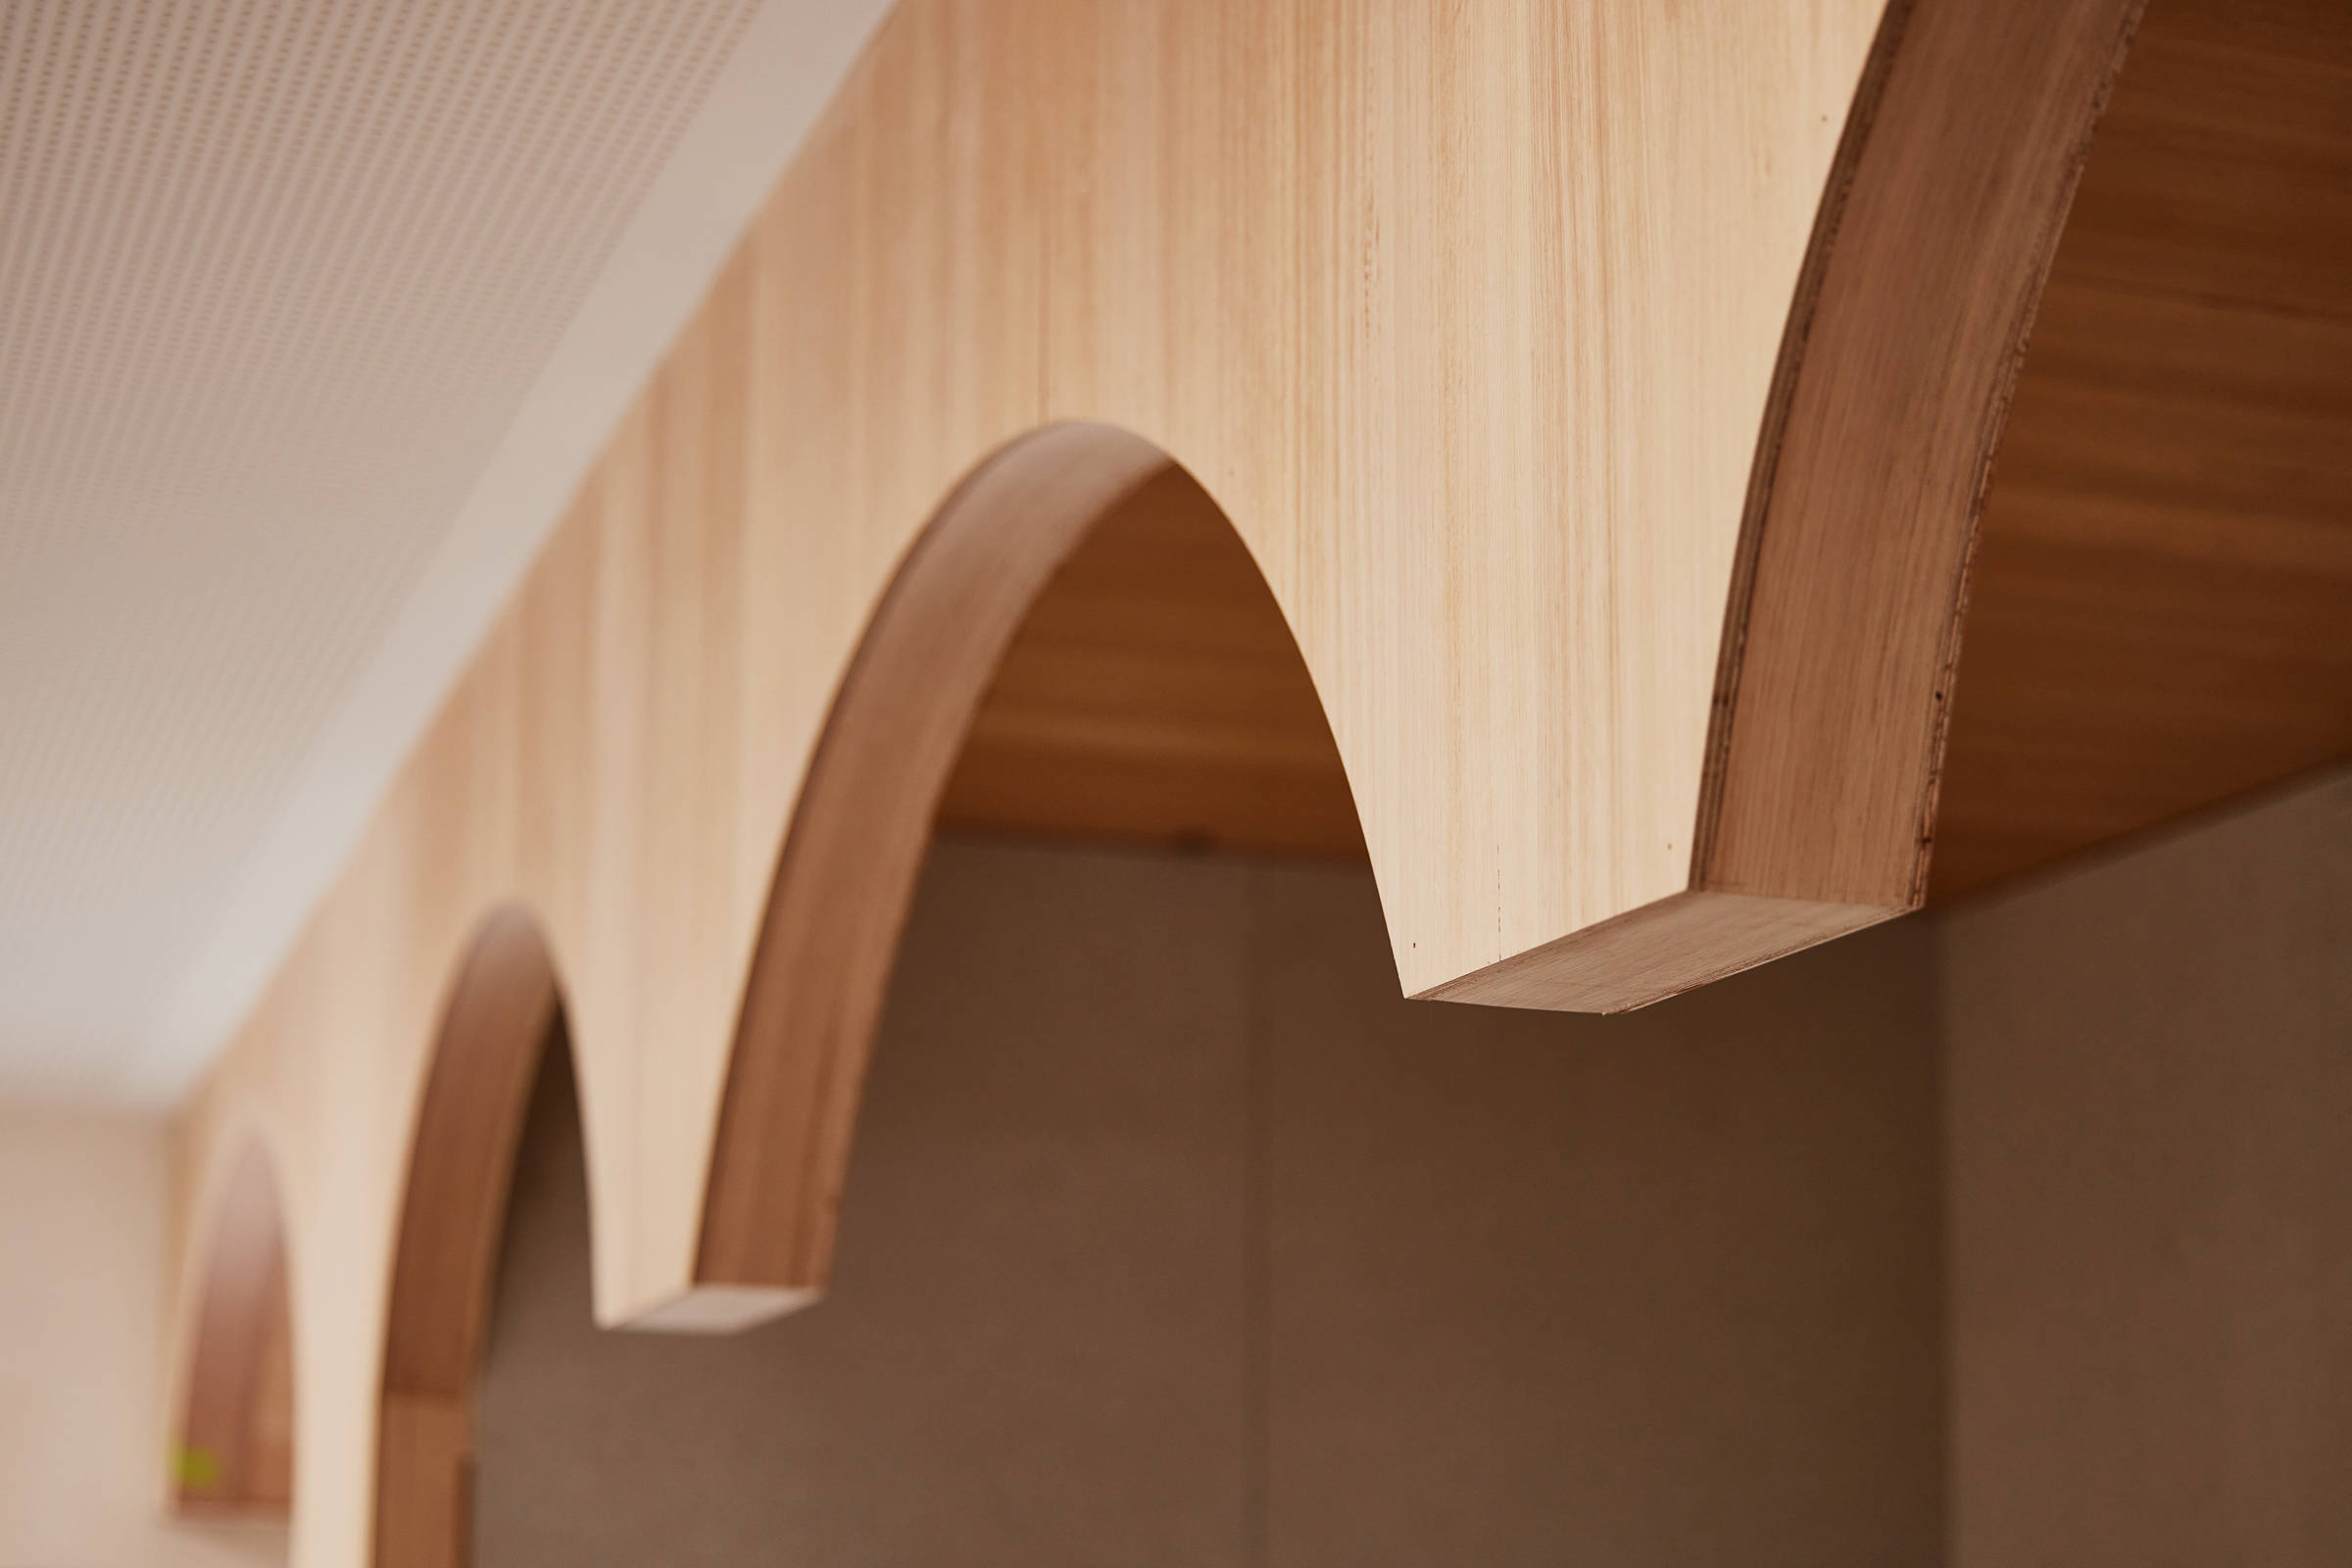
{"points": [[1467, 319]]}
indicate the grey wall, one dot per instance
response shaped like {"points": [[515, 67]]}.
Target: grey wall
{"points": [[2150, 1107], [1172, 1236]]}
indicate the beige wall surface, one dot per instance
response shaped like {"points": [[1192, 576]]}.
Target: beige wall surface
{"points": [[2149, 1096], [82, 1249], [1173, 1237]]}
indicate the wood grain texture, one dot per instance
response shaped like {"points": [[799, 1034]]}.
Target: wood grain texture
{"points": [[234, 1448], [2162, 610], [1466, 319]]}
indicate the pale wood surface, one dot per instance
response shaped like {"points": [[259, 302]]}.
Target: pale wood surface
{"points": [[2163, 609], [2155, 616], [1466, 317]]}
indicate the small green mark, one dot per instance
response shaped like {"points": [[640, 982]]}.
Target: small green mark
{"points": [[197, 1468]]}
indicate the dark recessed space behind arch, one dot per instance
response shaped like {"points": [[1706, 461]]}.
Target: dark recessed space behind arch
{"points": [[1173, 1236]]}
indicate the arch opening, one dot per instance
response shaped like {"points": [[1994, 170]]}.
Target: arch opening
{"points": [[1077, 644], [234, 1451], [1172, 1234], [503, 1015]]}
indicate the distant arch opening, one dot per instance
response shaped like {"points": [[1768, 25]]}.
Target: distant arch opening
{"points": [[1079, 643], [502, 1018], [236, 1448]]}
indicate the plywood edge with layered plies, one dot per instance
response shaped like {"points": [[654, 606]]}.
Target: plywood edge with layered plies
{"points": [[1466, 320], [1960, 163]]}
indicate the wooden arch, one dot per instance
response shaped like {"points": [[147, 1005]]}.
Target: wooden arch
{"points": [[848, 864], [1604, 391], [500, 1015], [234, 1448]]}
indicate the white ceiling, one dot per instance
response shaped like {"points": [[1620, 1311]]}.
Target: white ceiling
{"points": [[311, 315]]}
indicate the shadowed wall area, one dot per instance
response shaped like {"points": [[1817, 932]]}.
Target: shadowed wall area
{"points": [[1172, 1236], [2149, 1091]]}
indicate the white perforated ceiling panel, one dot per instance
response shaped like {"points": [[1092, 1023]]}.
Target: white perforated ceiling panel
{"points": [[308, 315]]}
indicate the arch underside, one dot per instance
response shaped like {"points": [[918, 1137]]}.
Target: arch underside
{"points": [[1467, 328]]}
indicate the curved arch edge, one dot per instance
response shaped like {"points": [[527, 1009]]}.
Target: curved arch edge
{"points": [[847, 871], [232, 1430], [1841, 634], [502, 1008]]}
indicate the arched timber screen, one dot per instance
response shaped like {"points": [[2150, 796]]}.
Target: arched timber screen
{"points": [[1468, 317]]}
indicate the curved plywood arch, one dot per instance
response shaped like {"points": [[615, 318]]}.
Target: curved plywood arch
{"points": [[1468, 317], [234, 1447], [501, 1010], [848, 870]]}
